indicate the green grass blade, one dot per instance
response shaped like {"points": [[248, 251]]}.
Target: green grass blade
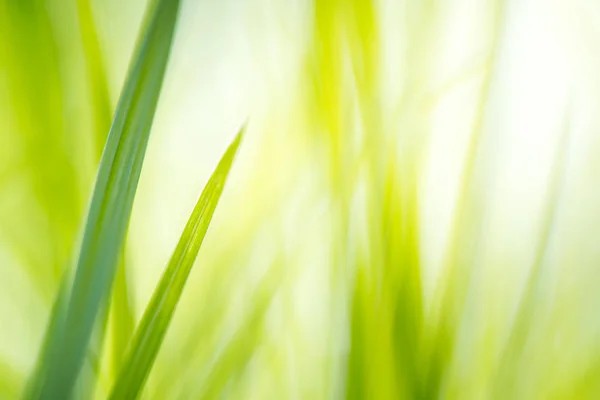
{"points": [[111, 203], [100, 99], [157, 316], [122, 319]]}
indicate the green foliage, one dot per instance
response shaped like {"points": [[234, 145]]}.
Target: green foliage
{"points": [[110, 209], [318, 279], [158, 313]]}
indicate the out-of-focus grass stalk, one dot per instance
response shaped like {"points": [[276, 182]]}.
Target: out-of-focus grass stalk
{"points": [[233, 357], [11, 381], [327, 73], [31, 60], [385, 319], [465, 231], [96, 74], [510, 379]]}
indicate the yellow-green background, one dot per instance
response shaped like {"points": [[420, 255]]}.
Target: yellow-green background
{"points": [[414, 211]]}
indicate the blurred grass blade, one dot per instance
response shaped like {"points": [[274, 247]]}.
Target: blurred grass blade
{"points": [[99, 98], [528, 313], [157, 316], [355, 381], [30, 65], [10, 381], [233, 358], [111, 204], [465, 235], [122, 319]]}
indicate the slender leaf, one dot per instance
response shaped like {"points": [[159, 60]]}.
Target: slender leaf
{"points": [[122, 319], [157, 316], [100, 99], [111, 204]]}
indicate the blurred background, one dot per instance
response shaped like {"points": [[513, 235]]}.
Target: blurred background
{"points": [[414, 212]]}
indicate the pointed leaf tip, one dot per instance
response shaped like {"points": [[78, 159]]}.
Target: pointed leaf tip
{"points": [[157, 317]]}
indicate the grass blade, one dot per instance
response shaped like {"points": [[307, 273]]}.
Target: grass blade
{"points": [[111, 204], [122, 319], [99, 98], [157, 316]]}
